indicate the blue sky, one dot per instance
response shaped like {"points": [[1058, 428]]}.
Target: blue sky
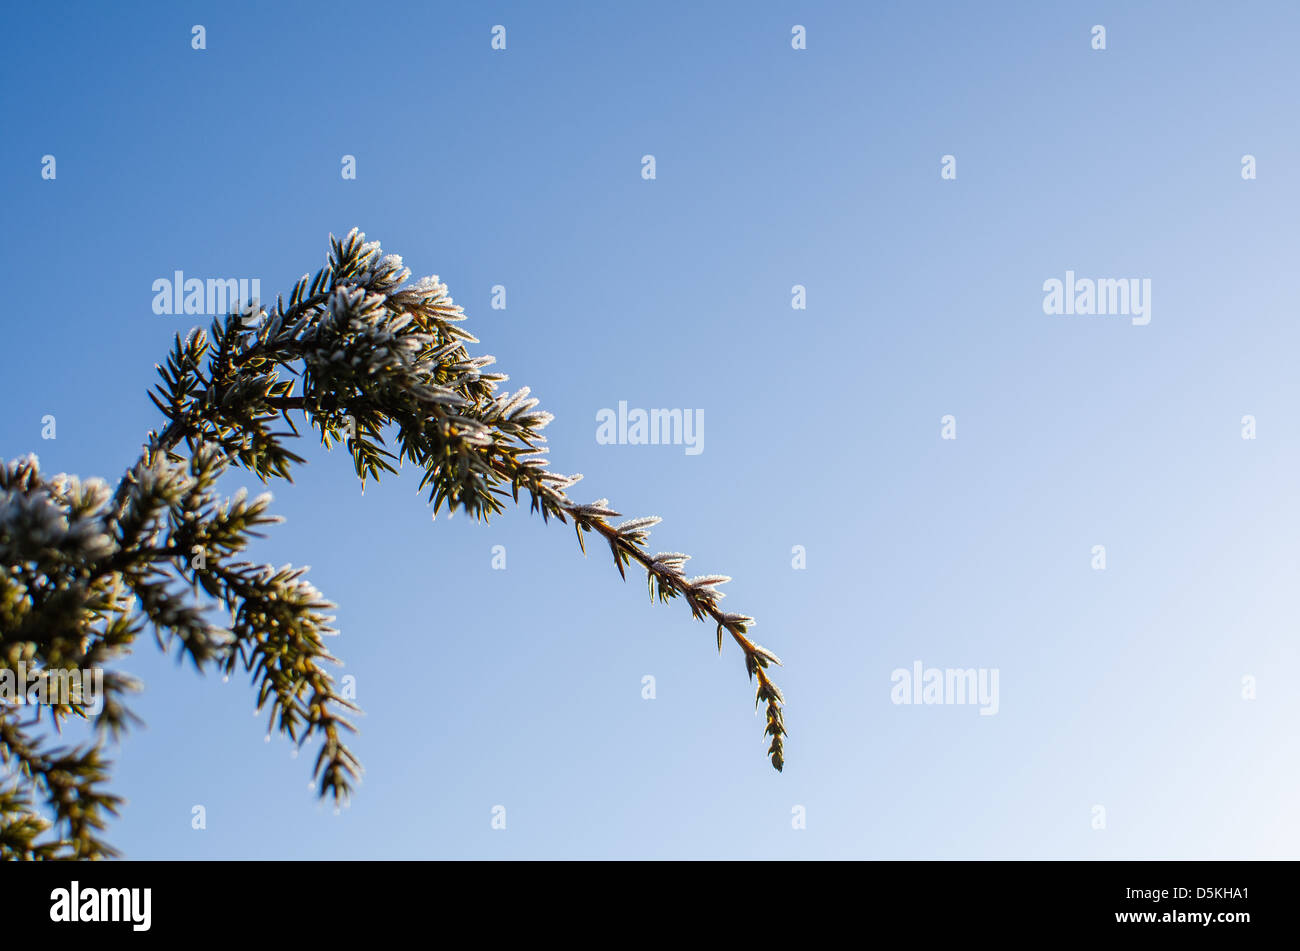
{"points": [[1120, 688]]}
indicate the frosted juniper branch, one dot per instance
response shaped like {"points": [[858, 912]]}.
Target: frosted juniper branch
{"points": [[83, 571], [372, 351]]}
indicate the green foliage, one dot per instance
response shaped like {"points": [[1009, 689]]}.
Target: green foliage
{"points": [[373, 364]]}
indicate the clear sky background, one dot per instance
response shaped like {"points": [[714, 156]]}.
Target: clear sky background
{"points": [[1120, 688]]}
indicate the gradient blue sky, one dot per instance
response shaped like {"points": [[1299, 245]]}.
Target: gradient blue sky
{"points": [[1119, 688]]}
